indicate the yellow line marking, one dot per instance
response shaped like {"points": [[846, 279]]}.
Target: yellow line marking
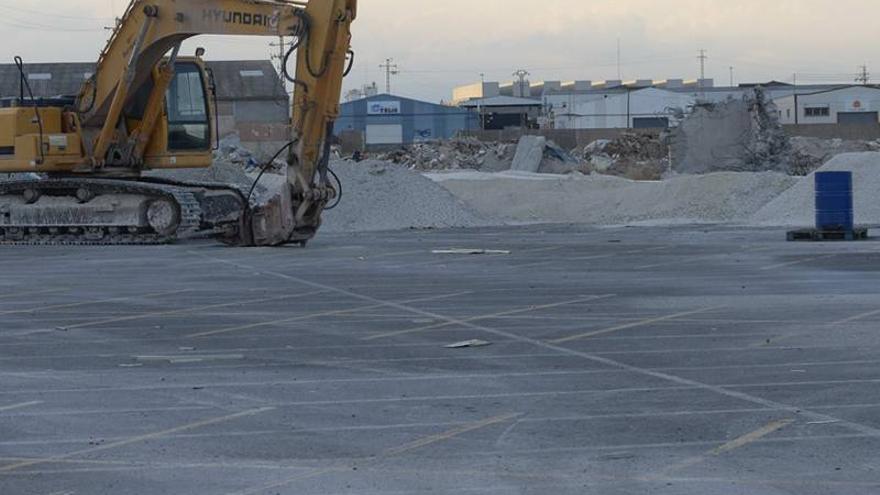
{"points": [[784, 337], [391, 452], [318, 315], [19, 406], [487, 317], [594, 257], [440, 437], [87, 462], [34, 293], [635, 324], [136, 439], [100, 301], [798, 262], [278, 484], [729, 446], [857, 317], [703, 257], [187, 310]]}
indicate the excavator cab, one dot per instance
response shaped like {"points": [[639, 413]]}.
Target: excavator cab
{"points": [[185, 135]]}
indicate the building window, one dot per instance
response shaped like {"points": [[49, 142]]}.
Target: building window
{"points": [[824, 111]]}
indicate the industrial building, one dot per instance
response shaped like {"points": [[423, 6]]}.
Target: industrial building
{"points": [[639, 109], [504, 112], [250, 97], [388, 120], [647, 103], [846, 105]]}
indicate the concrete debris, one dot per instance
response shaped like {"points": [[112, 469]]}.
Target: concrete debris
{"points": [[386, 196], [470, 251], [796, 206], [529, 154], [231, 168], [468, 343], [736, 135], [453, 154], [636, 156], [808, 154]]}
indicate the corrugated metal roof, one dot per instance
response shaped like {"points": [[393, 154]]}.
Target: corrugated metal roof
{"points": [[45, 79], [236, 80], [247, 79], [501, 101]]}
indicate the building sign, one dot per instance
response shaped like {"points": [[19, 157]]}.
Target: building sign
{"points": [[422, 134], [859, 106], [383, 108]]}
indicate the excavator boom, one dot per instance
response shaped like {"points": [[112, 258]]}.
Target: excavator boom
{"points": [[122, 123]]}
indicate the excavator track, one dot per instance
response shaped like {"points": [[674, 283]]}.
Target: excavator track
{"points": [[71, 211]]}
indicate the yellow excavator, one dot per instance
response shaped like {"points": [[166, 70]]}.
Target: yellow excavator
{"points": [[146, 107]]}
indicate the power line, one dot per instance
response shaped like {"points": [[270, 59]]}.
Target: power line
{"points": [[43, 13], [22, 25]]}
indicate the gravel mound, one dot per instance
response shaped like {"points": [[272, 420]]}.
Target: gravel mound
{"points": [[385, 196], [796, 206], [605, 200]]}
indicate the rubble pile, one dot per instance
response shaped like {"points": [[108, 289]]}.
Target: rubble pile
{"points": [[808, 154], [634, 156], [453, 154], [386, 196]]}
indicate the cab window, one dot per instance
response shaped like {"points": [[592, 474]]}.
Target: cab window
{"points": [[188, 124]]}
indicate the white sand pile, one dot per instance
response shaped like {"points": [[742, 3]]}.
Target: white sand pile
{"points": [[384, 196], [796, 206], [604, 200]]}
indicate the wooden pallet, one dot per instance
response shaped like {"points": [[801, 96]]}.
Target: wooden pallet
{"points": [[857, 234]]}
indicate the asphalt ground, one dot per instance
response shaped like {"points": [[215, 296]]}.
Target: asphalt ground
{"points": [[687, 360]]}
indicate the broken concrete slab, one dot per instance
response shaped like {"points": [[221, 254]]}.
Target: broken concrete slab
{"points": [[529, 154]]}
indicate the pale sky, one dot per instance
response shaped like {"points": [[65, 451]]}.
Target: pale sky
{"points": [[445, 43]]}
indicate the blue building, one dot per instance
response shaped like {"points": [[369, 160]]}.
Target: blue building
{"points": [[387, 120]]}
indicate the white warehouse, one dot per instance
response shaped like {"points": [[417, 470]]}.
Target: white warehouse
{"points": [[845, 105], [639, 109]]}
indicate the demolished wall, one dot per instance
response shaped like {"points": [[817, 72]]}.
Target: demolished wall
{"points": [[736, 135]]}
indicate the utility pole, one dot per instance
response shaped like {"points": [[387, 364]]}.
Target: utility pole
{"points": [[391, 69], [702, 57], [619, 72], [521, 74], [731, 76], [864, 76], [282, 51]]}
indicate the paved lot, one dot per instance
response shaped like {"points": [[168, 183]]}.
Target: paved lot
{"points": [[623, 361]]}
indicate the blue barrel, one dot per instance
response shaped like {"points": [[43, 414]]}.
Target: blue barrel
{"points": [[834, 201]]}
